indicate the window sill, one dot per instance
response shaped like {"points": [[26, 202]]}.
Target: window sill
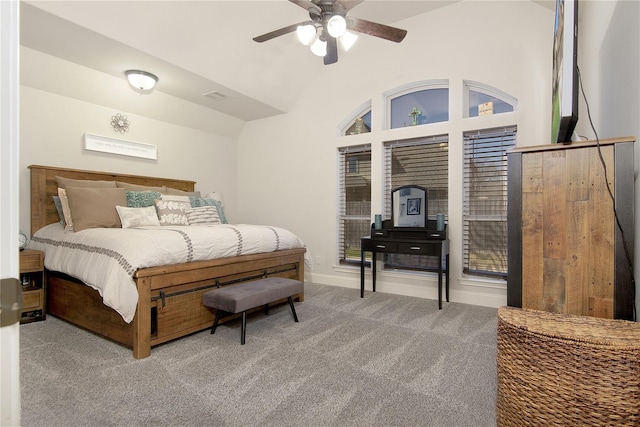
{"points": [[483, 282]]}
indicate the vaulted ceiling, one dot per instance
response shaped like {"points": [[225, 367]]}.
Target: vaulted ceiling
{"points": [[199, 47]]}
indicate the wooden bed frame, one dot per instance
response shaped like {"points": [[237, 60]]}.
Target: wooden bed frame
{"points": [[170, 296]]}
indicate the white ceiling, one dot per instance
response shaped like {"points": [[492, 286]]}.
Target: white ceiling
{"points": [[197, 47]]}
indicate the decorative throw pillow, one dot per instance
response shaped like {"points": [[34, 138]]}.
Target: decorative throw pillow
{"points": [[58, 205], [142, 199], [206, 215], [198, 202], [137, 217], [69, 182], [171, 210], [95, 207], [66, 210]]}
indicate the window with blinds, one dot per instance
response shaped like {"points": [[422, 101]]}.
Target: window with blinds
{"points": [[354, 202], [485, 200], [419, 161], [424, 162]]}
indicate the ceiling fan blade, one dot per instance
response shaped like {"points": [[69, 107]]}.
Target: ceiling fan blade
{"points": [[347, 5], [276, 33], [307, 5], [332, 51], [374, 29]]}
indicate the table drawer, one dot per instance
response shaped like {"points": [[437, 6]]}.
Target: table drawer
{"points": [[31, 261], [418, 249], [382, 246], [379, 233], [32, 300]]}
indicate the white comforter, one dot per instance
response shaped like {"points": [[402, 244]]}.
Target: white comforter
{"points": [[106, 258]]}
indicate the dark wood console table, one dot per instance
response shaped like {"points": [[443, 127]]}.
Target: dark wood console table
{"points": [[418, 243]]}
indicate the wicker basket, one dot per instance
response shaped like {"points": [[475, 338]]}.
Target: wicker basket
{"points": [[560, 369]]}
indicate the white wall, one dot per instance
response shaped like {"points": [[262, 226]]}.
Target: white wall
{"points": [[56, 112], [287, 164]]}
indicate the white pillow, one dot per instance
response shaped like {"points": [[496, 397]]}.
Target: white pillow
{"points": [[206, 215], [137, 217]]}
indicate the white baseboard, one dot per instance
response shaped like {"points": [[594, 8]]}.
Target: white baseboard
{"points": [[485, 293]]}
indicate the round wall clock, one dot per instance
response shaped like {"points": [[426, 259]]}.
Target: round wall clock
{"points": [[22, 240]]}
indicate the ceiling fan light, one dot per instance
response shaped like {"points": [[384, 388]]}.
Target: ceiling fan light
{"points": [[319, 47], [347, 40], [336, 26], [141, 79], [306, 33]]}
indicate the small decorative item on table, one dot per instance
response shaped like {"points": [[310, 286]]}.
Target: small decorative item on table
{"points": [[378, 222]]}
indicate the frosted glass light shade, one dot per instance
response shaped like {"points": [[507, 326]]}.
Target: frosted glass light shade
{"points": [[141, 79], [336, 26], [306, 33], [347, 40], [319, 47]]}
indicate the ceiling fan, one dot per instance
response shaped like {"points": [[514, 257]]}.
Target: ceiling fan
{"points": [[329, 23]]}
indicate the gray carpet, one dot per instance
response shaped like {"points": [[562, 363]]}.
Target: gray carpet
{"points": [[384, 360]]}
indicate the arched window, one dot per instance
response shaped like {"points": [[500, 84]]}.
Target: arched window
{"points": [[482, 100], [357, 123], [417, 104]]}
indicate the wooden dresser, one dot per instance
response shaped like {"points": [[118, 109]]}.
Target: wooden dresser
{"points": [[566, 253]]}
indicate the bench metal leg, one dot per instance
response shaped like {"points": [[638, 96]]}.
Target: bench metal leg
{"points": [[215, 321], [266, 309], [293, 310], [243, 331]]}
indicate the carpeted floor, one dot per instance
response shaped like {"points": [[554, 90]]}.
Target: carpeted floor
{"points": [[384, 360]]}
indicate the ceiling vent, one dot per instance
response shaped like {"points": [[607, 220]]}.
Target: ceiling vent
{"points": [[216, 96]]}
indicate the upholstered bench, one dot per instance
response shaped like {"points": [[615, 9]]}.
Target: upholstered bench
{"points": [[245, 296]]}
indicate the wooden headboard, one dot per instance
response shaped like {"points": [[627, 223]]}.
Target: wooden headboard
{"points": [[44, 187]]}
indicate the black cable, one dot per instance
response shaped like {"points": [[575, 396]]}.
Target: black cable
{"points": [[613, 200]]}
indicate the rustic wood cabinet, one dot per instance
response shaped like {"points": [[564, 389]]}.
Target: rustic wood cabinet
{"points": [[569, 251], [33, 286]]}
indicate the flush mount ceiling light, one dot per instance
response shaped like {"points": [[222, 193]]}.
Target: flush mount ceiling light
{"points": [[141, 80]]}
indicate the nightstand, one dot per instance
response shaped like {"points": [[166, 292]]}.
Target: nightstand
{"points": [[33, 286]]}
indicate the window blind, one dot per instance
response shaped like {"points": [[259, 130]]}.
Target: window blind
{"points": [[420, 161], [354, 200], [485, 200]]}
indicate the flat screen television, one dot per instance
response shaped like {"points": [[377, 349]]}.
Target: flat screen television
{"points": [[565, 72]]}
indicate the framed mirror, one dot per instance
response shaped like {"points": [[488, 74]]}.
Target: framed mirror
{"points": [[409, 206]]}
